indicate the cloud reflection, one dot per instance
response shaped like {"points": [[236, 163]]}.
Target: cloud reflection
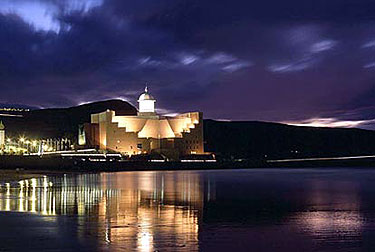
{"points": [[335, 215]]}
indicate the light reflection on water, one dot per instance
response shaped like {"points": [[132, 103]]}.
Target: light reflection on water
{"points": [[320, 224], [129, 208], [334, 212], [291, 210], [33, 195]]}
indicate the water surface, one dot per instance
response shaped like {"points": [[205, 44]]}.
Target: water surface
{"points": [[238, 210]]}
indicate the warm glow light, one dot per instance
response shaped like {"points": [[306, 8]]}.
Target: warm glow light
{"points": [[145, 241]]}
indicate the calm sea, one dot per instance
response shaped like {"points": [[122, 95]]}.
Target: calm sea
{"points": [[232, 210]]}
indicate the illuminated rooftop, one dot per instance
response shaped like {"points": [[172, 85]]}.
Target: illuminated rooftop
{"points": [[146, 96]]}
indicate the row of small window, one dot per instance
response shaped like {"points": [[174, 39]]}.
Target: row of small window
{"points": [[192, 141], [193, 147]]}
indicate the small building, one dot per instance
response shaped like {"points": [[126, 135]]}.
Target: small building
{"points": [[145, 132]]}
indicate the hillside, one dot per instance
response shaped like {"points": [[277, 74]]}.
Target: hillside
{"points": [[61, 122], [227, 139], [257, 139]]}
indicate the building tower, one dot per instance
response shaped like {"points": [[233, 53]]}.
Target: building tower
{"points": [[146, 104], [2, 135]]}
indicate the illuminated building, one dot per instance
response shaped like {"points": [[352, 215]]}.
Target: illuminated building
{"points": [[2, 135], [145, 132]]}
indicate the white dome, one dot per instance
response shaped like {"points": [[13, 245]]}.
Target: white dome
{"points": [[146, 96]]}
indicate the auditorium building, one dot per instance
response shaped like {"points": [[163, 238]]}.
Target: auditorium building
{"points": [[145, 132]]}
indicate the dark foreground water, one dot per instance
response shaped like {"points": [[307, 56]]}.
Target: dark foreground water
{"points": [[233, 210]]}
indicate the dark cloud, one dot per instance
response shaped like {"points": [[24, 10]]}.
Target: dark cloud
{"points": [[270, 60]]}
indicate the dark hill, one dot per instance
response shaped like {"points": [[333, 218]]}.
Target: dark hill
{"points": [[61, 122], [257, 139], [228, 139]]}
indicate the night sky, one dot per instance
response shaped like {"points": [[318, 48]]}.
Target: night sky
{"points": [[296, 61]]}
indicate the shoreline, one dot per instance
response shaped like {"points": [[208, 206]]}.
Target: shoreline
{"points": [[56, 164]]}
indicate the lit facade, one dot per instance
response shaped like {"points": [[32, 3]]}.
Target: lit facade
{"points": [[145, 132], [2, 135]]}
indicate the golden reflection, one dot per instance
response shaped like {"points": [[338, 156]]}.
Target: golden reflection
{"points": [[33, 197], [20, 197], [132, 209], [145, 241]]}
